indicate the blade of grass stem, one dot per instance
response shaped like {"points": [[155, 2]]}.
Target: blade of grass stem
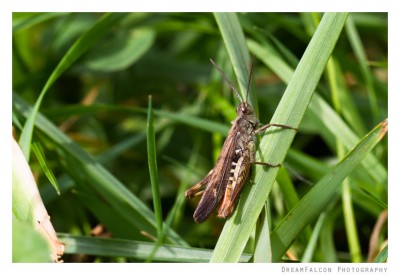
{"points": [[235, 44], [309, 251], [348, 211], [37, 149], [152, 160], [358, 48]]}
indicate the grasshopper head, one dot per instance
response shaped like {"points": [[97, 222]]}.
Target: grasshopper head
{"points": [[246, 111]]}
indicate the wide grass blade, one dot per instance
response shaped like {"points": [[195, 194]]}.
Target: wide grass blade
{"points": [[315, 201], [77, 49], [289, 112], [136, 250]]}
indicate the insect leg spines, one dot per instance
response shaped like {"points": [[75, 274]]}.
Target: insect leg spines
{"points": [[265, 127]]}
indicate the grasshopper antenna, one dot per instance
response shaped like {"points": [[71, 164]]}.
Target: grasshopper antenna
{"points": [[227, 80], [251, 74]]}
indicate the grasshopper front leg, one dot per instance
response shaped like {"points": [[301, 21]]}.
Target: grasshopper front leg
{"points": [[265, 127]]}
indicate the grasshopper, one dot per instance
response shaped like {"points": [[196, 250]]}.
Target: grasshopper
{"points": [[233, 166]]}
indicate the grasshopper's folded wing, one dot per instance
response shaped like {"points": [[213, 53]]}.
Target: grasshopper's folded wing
{"points": [[217, 179]]}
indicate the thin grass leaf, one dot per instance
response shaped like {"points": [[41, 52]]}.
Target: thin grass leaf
{"points": [[152, 160], [350, 223], [135, 249], [235, 43], [341, 97], [348, 211], [309, 251], [315, 201], [326, 238], [77, 49], [37, 149], [289, 112], [359, 51]]}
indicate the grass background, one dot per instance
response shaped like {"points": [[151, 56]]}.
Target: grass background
{"points": [[96, 72]]}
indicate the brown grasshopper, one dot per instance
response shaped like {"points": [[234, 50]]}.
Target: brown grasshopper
{"points": [[233, 166]]}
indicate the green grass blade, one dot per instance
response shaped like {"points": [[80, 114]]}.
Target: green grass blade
{"points": [[348, 211], [135, 249], [315, 201], [94, 178], [37, 149], [309, 252], [326, 240], [350, 222], [342, 97], [358, 48], [152, 160], [289, 112], [235, 43], [77, 49]]}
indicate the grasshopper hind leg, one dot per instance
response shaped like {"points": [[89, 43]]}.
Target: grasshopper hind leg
{"points": [[195, 189]]}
